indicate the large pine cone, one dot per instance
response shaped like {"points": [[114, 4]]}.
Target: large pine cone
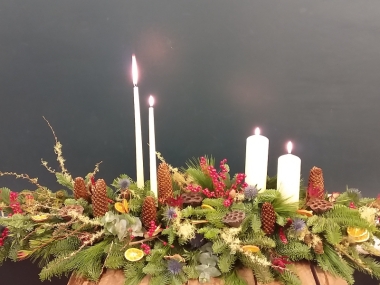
{"points": [[148, 211], [164, 183], [80, 189], [99, 198], [316, 188], [268, 218]]}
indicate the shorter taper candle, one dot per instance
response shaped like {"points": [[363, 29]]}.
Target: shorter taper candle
{"points": [[152, 148], [289, 175]]}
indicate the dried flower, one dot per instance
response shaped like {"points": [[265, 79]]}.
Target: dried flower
{"points": [[174, 266], [250, 192], [171, 213], [123, 183], [298, 225]]}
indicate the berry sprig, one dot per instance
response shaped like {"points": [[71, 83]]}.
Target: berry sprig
{"points": [[145, 248], [3, 236], [14, 204], [152, 228], [218, 179]]}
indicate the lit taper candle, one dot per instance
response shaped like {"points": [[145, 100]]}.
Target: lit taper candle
{"points": [[289, 175], [152, 148], [256, 160], [139, 152]]}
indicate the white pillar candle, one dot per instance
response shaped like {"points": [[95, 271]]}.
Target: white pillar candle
{"points": [[139, 152], [256, 160], [152, 148], [289, 175]]}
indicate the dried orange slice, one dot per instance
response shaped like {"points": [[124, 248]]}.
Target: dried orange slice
{"points": [[362, 238], [122, 207], [39, 218], [305, 212], [356, 232], [207, 207], [250, 248], [133, 254]]}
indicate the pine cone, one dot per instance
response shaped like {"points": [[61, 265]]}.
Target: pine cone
{"points": [[164, 183], [308, 239], [318, 248], [319, 205], [268, 218], [148, 211], [80, 189], [99, 198], [316, 188]]}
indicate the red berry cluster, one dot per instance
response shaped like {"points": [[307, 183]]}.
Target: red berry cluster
{"points": [[280, 263], [3, 236], [145, 248], [152, 228], [14, 204], [218, 181]]}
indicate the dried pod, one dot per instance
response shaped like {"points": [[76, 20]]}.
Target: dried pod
{"points": [[319, 205], [192, 199], [234, 219]]}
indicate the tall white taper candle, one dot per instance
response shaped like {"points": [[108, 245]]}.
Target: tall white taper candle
{"points": [[152, 148], [289, 175], [139, 152], [256, 160]]}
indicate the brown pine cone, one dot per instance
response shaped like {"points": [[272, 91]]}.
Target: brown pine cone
{"points": [[318, 248], [80, 189], [164, 183], [308, 239], [315, 187], [99, 198], [148, 211], [268, 218]]}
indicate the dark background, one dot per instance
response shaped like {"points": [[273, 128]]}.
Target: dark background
{"points": [[302, 70]]}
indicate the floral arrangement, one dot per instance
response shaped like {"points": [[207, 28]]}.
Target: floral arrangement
{"points": [[204, 223]]}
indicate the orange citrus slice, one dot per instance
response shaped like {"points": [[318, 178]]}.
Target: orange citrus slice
{"points": [[250, 248], [362, 238], [122, 206], [39, 218], [305, 212], [133, 254], [356, 232], [207, 207]]}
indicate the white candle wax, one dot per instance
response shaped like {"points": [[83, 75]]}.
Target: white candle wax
{"points": [[256, 160], [152, 148], [139, 152], [289, 175]]}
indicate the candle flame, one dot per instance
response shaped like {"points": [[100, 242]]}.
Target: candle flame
{"points": [[134, 70], [257, 131], [289, 147], [151, 101]]}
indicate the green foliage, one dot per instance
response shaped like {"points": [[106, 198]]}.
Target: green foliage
{"points": [[294, 250], [232, 278], [115, 256], [330, 261], [289, 278], [65, 180], [86, 262], [133, 272], [226, 261], [4, 195], [209, 232]]}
